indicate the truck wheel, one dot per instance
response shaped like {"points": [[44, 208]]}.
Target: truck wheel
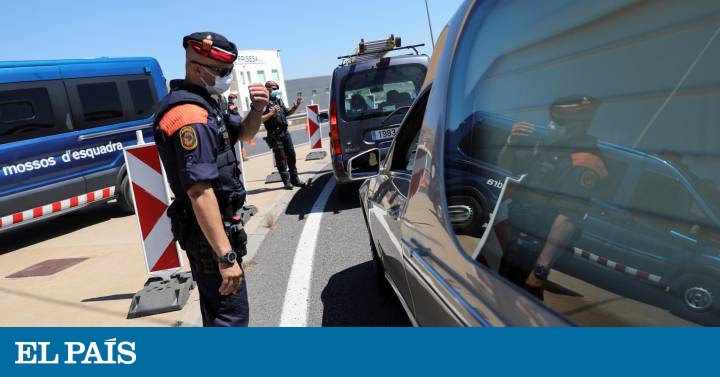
{"points": [[467, 214], [125, 197], [700, 298]]}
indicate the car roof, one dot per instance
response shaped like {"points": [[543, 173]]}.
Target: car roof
{"points": [[38, 70], [61, 62], [391, 61]]}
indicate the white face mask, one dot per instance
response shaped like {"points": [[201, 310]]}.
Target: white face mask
{"points": [[222, 84]]}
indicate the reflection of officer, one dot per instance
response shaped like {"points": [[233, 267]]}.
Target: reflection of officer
{"points": [[552, 199], [275, 120], [195, 141]]}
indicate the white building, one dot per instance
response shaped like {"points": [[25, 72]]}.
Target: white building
{"points": [[256, 66]]}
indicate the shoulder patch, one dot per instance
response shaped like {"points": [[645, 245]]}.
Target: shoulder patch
{"points": [[188, 138], [590, 161], [181, 116]]}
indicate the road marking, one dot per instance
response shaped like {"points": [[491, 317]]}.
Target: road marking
{"points": [[297, 296]]}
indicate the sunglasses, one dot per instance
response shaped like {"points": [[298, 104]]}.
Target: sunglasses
{"points": [[218, 71], [215, 53]]}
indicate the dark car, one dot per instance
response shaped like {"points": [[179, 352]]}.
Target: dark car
{"points": [[368, 98], [623, 230]]}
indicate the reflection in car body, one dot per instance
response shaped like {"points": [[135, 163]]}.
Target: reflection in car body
{"points": [[669, 250], [657, 135]]}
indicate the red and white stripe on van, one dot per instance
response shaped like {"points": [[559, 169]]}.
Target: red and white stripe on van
{"points": [[67, 205]]}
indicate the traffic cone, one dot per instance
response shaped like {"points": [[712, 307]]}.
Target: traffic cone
{"points": [[251, 143], [244, 155]]}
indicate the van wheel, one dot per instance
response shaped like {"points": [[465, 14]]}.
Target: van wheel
{"points": [[467, 214], [125, 196], [700, 298]]}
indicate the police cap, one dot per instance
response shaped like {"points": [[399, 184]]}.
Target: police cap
{"points": [[574, 109], [211, 45], [271, 84]]}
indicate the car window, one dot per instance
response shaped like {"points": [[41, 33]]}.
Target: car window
{"points": [[142, 97], [581, 157], [378, 92], [26, 113], [100, 101]]}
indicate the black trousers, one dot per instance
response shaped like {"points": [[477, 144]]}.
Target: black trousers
{"points": [[284, 152], [217, 310]]}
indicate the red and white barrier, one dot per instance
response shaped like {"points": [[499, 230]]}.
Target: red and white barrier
{"points": [[642, 275], [151, 197], [67, 205], [314, 133], [313, 125]]}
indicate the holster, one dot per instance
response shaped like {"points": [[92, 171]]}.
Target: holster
{"points": [[235, 231], [231, 211], [270, 140]]}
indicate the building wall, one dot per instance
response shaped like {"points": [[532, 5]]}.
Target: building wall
{"points": [[256, 66], [312, 89]]}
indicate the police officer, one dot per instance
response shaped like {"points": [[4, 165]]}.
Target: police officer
{"points": [[547, 207], [278, 137], [195, 141]]}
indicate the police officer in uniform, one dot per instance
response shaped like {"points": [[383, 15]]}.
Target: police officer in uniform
{"points": [[549, 204], [278, 137], [195, 138]]}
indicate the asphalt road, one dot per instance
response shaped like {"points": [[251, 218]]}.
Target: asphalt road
{"points": [[342, 290], [299, 136]]}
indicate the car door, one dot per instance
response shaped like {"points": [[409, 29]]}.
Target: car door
{"points": [[650, 232], [35, 132], [390, 197]]}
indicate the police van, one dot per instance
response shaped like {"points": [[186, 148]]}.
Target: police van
{"points": [[63, 126]]}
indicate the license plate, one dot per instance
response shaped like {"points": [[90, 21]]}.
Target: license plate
{"points": [[387, 133]]}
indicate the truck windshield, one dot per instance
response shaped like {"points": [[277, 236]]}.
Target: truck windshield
{"points": [[379, 92]]}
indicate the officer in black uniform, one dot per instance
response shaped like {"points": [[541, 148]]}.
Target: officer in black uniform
{"points": [[195, 140], [278, 137], [549, 204]]}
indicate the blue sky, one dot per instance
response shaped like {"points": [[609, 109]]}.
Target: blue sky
{"points": [[78, 29]]}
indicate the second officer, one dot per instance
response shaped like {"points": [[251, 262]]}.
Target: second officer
{"points": [[278, 137]]}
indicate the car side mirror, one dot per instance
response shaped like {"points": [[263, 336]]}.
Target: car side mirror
{"points": [[364, 165]]}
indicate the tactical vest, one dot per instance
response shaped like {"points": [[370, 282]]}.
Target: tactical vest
{"points": [[228, 187], [278, 123], [530, 208]]}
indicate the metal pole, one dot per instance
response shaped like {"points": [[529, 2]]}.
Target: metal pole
{"points": [[432, 36]]}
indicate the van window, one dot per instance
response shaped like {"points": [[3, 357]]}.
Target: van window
{"points": [[378, 92], [142, 97], [26, 114], [100, 101], [591, 141]]}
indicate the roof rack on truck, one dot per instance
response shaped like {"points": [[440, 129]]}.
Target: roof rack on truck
{"points": [[375, 50]]}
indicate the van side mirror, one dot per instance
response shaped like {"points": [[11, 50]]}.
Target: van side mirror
{"points": [[364, 165]]}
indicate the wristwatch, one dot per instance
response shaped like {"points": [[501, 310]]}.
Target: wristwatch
{"points": [[229, 258], [541, 272]]}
